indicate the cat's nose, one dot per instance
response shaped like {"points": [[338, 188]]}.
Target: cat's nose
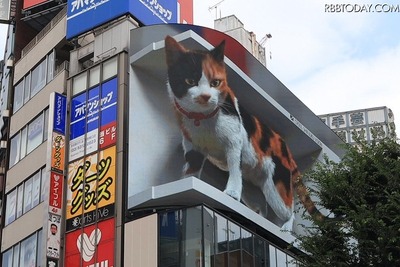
{"points": [[205, 97]]}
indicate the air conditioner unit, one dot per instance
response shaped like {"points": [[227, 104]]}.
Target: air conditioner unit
{"points": [[10, 63], [3, 144], [5, 113]]}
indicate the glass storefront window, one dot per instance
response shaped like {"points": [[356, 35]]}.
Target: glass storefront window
{"points": [[202, 237]]}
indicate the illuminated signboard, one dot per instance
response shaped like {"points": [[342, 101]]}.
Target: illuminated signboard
{"points": [[93, 109], [56, 161], [91, 189], [86, 15], [91, 246], [155, 154], [4, 10]]}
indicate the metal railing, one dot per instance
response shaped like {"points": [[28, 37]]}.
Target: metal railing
{"points": [[44, 31]]}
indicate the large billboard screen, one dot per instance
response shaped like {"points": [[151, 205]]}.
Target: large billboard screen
{"points": [[215, 120], [86, 15]]}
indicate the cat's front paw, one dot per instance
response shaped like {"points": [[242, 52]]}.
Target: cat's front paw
{"points": [[232, 193]]}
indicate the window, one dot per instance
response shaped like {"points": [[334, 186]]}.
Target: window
{"points": [[26, 253], [50, 66], [25, 196], [38, 78], [11, 206], [36, 189], [35, 133], [15, 145], [18, 96], [7, 258], [27, 91], [199, 236], [110, 68], [16, 256], [34, 81], [29, 138], [28, 195], [20, 200]]}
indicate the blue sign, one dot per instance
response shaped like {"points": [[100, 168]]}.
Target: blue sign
{"points": [[60, 111], [154, 11], [78, 116], [84, 15]]}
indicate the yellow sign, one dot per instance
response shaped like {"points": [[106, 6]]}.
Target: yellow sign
{"points": [[91, 182]]}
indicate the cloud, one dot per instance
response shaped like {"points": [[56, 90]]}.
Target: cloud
{"points": [[354, 84]]}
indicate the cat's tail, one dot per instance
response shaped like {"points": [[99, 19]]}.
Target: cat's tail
{"points": [[305, 199]]}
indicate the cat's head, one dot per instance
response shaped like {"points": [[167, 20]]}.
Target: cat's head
{"points": [[196, 78]]}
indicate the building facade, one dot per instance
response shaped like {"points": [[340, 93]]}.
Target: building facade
{"points": [[367, 124], [91, 155]]}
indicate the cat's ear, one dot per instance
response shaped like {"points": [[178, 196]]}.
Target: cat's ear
{"points": [[218, 52], [172, 50]]}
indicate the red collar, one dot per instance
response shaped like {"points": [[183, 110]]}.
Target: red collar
{"points": [[196, 116]]}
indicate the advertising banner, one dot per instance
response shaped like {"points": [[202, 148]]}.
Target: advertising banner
{"points": [[58, 152], [53, 236], [60, 112], [91, 189], [91, 246], [56, 161], [230, 127], [93, 109], [56, 193]]}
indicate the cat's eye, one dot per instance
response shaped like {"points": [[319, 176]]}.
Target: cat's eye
{"points": [[190, 82], [215, 83]]}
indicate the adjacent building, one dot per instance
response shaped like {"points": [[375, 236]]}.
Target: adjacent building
{"points": [[367, 124], [90, 151]]}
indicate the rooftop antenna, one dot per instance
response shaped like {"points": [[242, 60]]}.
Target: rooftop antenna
{"points": [[216, 9]]}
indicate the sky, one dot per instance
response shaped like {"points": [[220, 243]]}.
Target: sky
{"points": [[334, 56]]}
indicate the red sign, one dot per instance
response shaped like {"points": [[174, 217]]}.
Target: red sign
{"points": [[108, 135], [55, 193], [31, 3], [91, 246]]}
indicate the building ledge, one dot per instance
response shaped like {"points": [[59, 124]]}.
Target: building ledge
{"points": [[192, 191]]}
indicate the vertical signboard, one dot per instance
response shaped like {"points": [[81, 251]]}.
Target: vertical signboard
{"points": [[56, 161], [91, 246], [91, 181]]}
